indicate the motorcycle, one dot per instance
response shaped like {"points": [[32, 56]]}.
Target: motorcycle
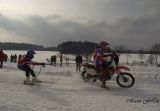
{"points": [[123, 78]]}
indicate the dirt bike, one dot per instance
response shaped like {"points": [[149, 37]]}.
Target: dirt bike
{"points": [[124, 79]]}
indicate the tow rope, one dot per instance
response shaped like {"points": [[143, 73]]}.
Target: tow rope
{"points": [[39, 70]]}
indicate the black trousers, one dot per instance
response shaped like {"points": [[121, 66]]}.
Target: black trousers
{"points": [[27, 70], [1, 64], [78, 66]]}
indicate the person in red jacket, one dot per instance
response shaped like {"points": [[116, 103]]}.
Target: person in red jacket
{"points": [[24, 63], [2, 58]]}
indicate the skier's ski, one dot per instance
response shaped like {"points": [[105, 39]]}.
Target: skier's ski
{"points": [[21, 83], [29, 84], [47, 82], [33, 84]]}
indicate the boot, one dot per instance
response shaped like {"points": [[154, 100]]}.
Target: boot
{"points": [[36, 80], [28, 82], [103, 85]]}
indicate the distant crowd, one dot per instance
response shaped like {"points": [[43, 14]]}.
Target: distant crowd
{"points": [[78, 60]]}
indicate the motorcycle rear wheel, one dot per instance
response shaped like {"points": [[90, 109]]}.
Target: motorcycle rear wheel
{"points": [[87, 77], [84, 76]]}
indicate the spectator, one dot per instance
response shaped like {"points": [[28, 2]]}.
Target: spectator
{"points": [[2, 58], [53, 60], [78, 62], [61, 60], [15, 58], [11, 58]]}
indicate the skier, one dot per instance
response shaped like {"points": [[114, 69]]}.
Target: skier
{"points": [[24, 64], [102, 61]]}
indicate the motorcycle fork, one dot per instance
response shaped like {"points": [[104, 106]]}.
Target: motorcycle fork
{"points": [[123, 77]]}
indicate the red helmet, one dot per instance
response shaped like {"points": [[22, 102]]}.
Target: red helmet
{"points": [[103, 43]]}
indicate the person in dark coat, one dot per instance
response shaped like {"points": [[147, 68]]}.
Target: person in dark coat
{"points": [[61, 59], [53, 60], [15, 58], [78, 62]]}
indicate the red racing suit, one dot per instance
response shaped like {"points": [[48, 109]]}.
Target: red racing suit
{"points": [[99, 56], [25, 60]]}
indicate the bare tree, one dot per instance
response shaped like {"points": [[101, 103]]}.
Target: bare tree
{"points": [[151, 58], [128, 56], [141, 54], [156, 51]]}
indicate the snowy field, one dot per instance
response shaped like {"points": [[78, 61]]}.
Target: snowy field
{"points": [[64, 90]]}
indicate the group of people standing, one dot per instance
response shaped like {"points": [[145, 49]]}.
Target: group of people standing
{"points": [[78, 60], [13, 58]]}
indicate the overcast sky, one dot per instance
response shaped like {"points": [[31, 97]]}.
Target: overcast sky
{"points": [[132, 23]]}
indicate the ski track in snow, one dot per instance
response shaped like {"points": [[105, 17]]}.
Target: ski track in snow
{"points": [[68, 92]]}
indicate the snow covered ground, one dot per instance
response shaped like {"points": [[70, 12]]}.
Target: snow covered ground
{"points": [[64, 90]]}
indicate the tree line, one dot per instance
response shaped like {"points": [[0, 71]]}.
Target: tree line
{"points": [[76, 47], [82, 48], [24, 46], [86, 49]]}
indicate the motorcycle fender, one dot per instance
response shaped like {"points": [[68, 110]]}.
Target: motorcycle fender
{"points": [[123, 67]]}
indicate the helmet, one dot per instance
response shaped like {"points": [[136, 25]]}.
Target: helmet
{"points": [[31, 52], [103, 43]]}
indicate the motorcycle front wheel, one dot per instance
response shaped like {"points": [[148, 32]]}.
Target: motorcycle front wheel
{"points": [[125, 80]]}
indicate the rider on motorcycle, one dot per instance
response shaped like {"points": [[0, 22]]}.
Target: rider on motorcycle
{"points": [[102, 59]]}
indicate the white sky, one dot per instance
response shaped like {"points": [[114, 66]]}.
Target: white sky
{"points": [[95, 20]]}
